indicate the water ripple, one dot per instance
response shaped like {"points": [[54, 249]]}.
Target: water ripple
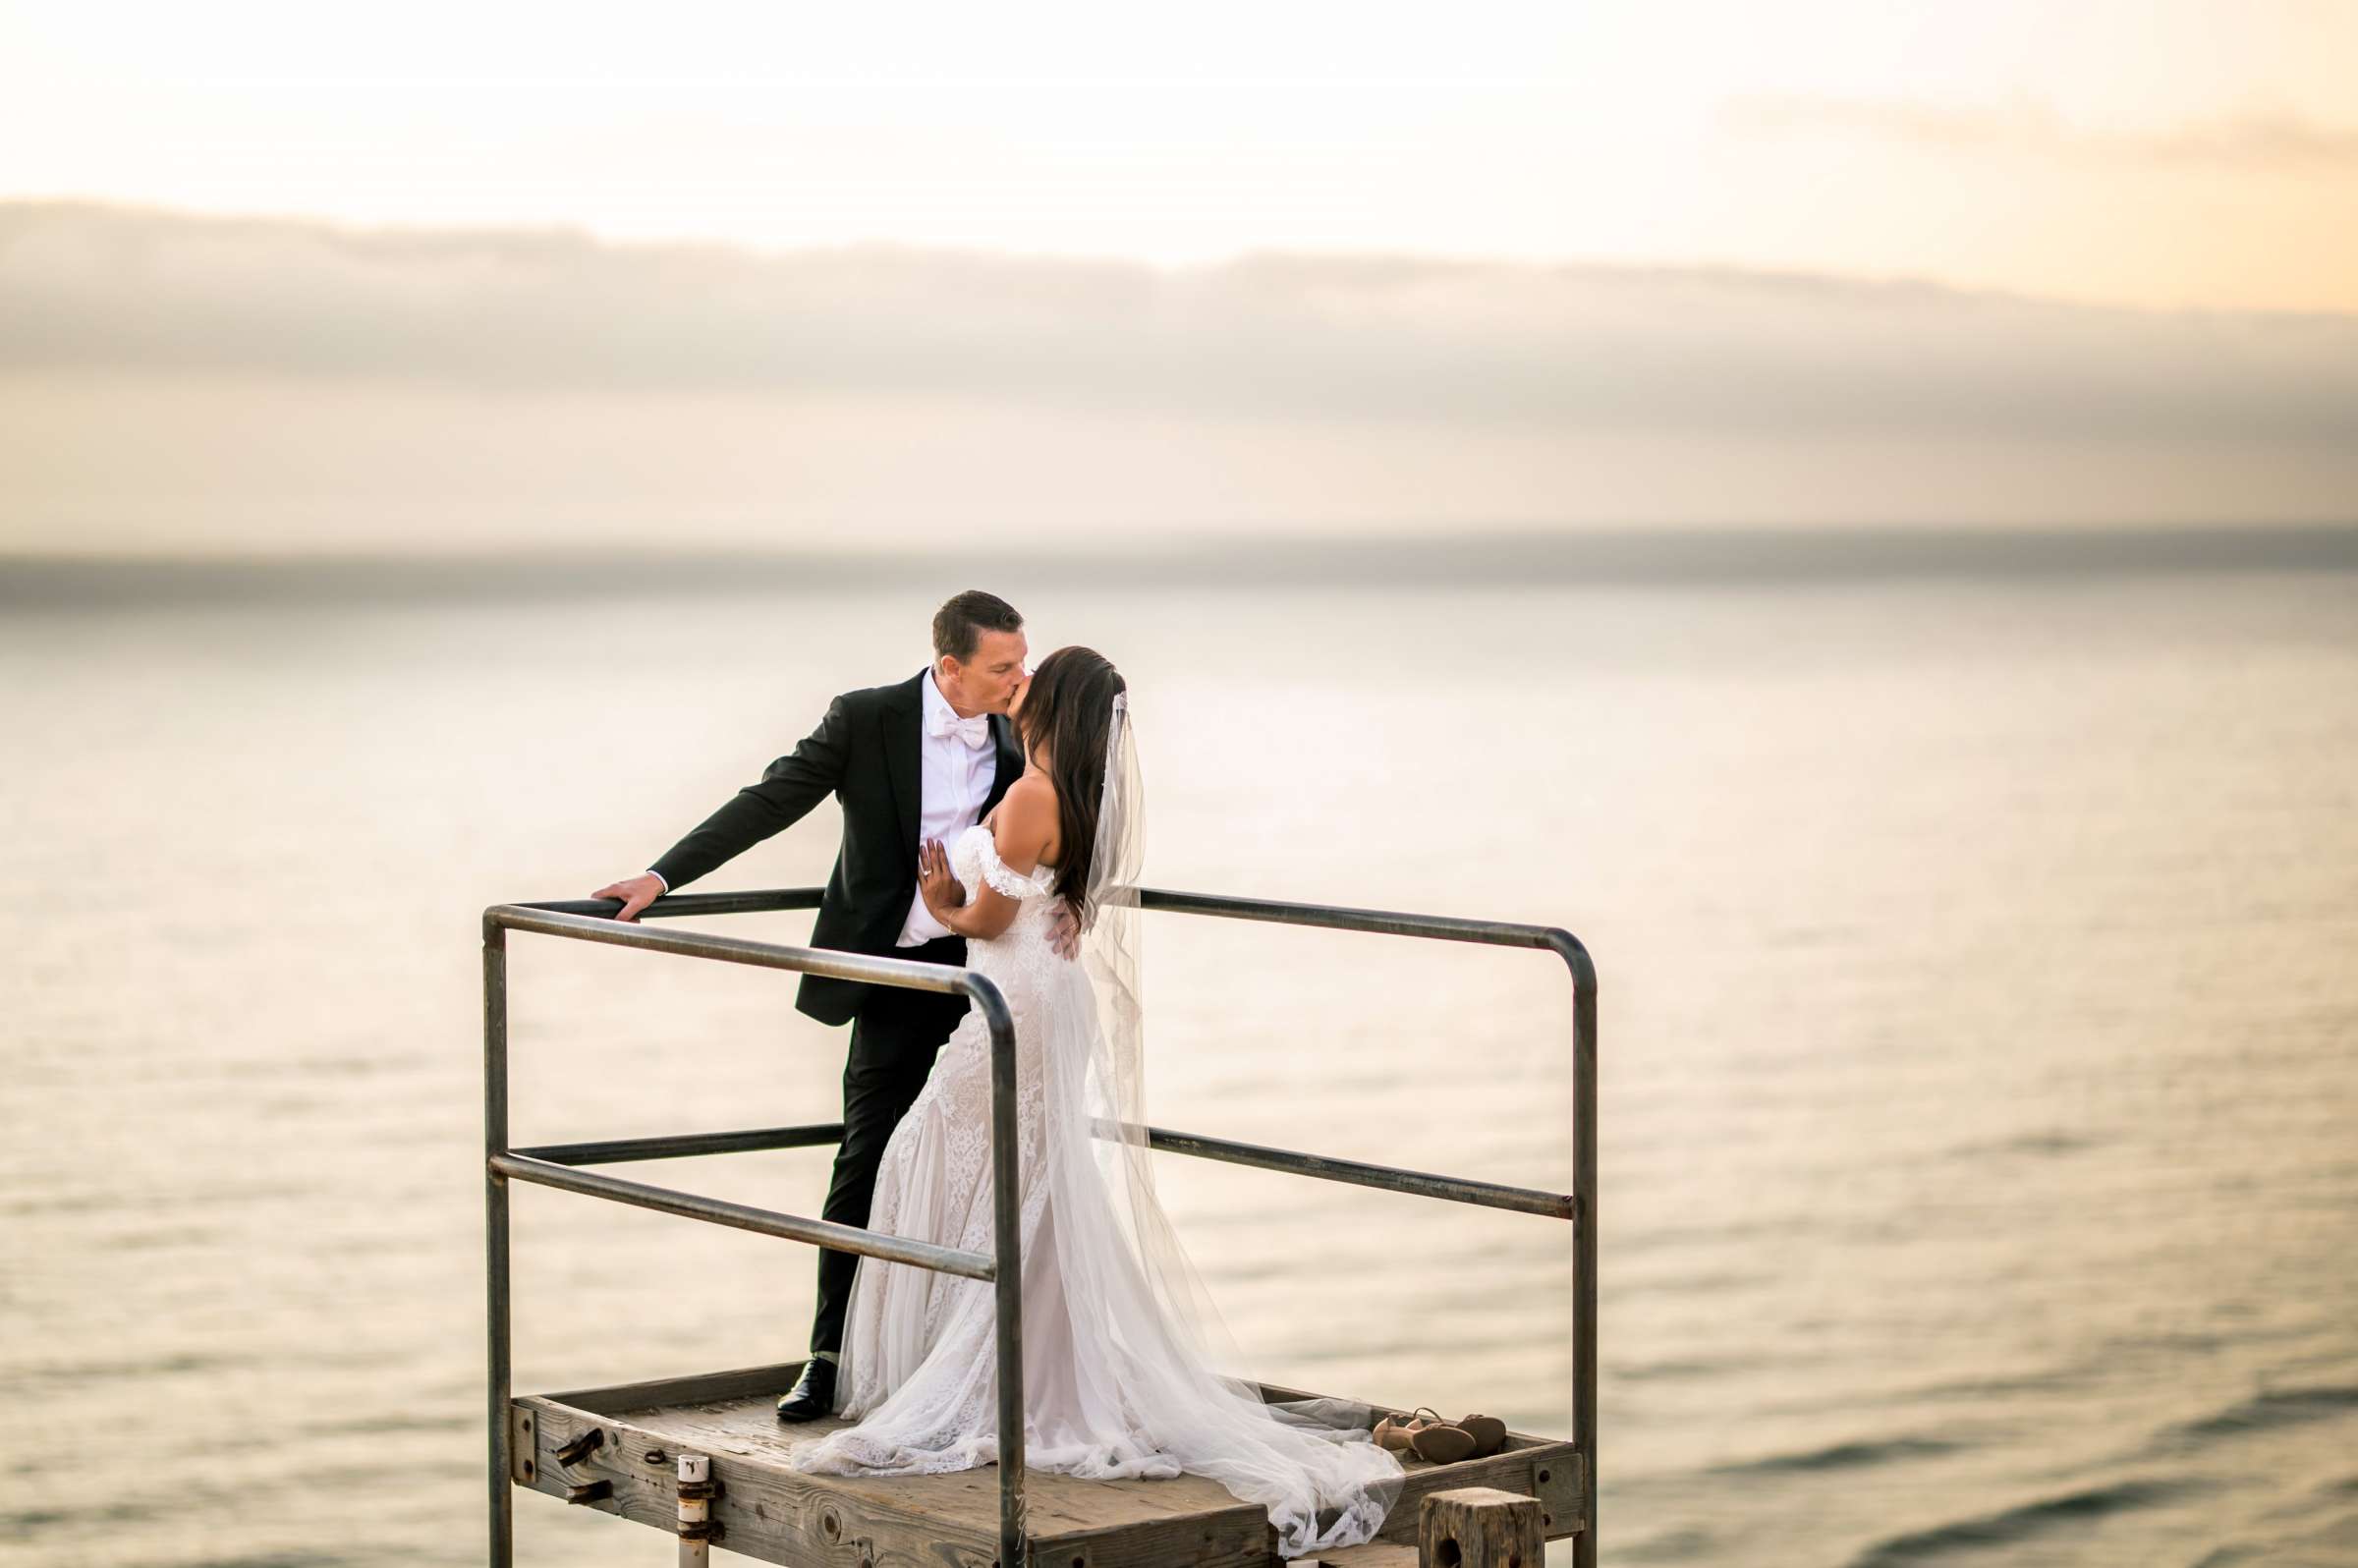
{"points": [[1840, 1456], [2051, 1141], [2264, 1412], [2024, 1522]]}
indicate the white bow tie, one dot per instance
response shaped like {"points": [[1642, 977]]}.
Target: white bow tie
{"points": [[975, 732]]}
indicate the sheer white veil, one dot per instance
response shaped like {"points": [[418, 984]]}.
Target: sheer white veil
{"points": [[1111, 951]]}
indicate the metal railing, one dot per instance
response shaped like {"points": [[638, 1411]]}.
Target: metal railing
{"points": [[557, 1165]]}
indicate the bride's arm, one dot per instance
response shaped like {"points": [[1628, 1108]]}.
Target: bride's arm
{"points": [[1020, 830]]}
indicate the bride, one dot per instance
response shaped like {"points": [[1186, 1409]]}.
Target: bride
{"points": [[1119, 1339]]}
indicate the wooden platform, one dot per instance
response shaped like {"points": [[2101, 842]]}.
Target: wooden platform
{"points": [[772, 1514]]}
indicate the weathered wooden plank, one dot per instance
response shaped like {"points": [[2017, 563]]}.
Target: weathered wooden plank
{"points": [[740, 1382], [1562, 1493], [1098, 1524], [770, 1512], [764, 1512], [750, 1429], [773, 1514], [1373, 1554]]}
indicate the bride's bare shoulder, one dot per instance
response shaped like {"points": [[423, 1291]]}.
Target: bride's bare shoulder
{"points": [[1023, 822]]}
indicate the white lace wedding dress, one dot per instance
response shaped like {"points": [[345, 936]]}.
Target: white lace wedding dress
{"points": [[1117, 1376]]}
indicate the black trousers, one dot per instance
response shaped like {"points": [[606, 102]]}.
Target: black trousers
{"points": [[895, 1037]]}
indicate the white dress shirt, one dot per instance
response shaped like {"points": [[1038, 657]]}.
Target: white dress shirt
{"points": [[955, 779]]}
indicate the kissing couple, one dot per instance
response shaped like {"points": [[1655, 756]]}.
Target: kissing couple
{"points": [[992, 818]]}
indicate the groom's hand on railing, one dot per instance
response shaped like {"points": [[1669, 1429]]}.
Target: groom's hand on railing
{"points": [[635, 893]]}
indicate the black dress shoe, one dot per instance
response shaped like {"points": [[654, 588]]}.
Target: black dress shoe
{"points": [[812, 1395]]}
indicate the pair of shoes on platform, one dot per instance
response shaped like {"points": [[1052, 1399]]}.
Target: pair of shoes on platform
{"points": [[1441, 1442], [812, 1395]]}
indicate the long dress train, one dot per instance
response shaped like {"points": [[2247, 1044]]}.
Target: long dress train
{"points": [[1116, 1382]]}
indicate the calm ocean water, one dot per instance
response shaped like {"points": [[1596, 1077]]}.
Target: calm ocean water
{"points": [[1979, 1021]]}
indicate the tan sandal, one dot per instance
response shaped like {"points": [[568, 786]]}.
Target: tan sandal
{"points": [[1488, 1432], [1396, 1429], [1441, 1442]]}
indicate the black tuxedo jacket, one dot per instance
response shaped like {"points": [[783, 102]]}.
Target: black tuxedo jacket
{"points": [[864, 753]]}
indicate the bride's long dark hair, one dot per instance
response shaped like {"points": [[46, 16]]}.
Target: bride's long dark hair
{"points": [[1070, 708]]}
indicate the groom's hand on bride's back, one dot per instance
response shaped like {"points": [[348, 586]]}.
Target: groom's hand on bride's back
{"points": [[1064, 932], [635, 893]]}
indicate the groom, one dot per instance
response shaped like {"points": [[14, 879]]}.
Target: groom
{"points": [[924, 759]]}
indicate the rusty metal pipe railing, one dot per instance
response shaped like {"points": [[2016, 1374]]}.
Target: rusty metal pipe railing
{"points": [[743, 1216], [675, 1146], [1388, 1178], [1583, 1212], [1004, 1268], [592, 920], [755, 1140]]}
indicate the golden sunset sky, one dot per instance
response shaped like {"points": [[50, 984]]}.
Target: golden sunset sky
{"points": [[2095, 205], [2157, 152]]}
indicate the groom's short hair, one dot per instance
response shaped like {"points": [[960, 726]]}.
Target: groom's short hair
{"points": [[960, 624]]}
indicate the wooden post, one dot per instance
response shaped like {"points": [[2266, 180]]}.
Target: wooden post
{"points": [[1480, 1527]]}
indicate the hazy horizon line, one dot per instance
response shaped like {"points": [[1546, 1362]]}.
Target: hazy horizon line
{"points": [[1466, 339], [425, 236], [286, 381], [1500, 558]]}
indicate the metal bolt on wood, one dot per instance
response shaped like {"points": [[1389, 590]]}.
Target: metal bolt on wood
{"points": [[581, 1447]]}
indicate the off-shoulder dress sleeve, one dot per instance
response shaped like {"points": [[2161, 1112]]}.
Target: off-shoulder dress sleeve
{"points": [[1015, 884]]}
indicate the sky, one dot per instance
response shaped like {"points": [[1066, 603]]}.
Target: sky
{"points": [[478, 274], [2160, 151]]}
